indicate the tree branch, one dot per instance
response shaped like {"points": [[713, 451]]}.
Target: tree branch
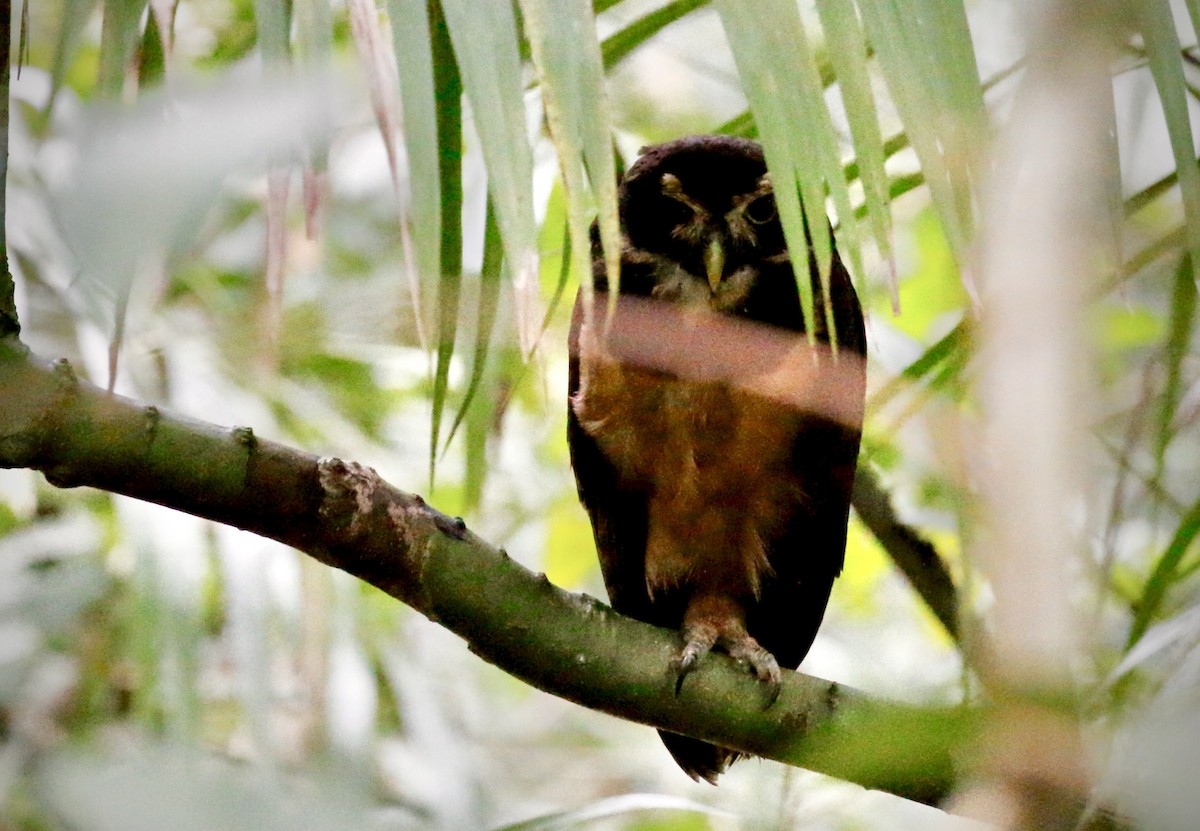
{"points": [[569, 645], [914, 555]]}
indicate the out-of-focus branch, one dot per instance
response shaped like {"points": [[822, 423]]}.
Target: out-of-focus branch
{"points": [[569, 645], [9, 323], [914, 555]]}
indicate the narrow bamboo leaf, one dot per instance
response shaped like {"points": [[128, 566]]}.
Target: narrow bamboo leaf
{"points": [[620, 44], [379, 66], [741, 124], [313, 48], [156, 40], [485, 318], [900, 54], [118, 35], [848, 54], [75, 14], [567, 55], [1164, 576], [447, 86], [273, 21], [946, 351], [1163, 48], [412, 41], [448, 301], [1177, 348], [23, 38], [784, 88], [486, 46]]}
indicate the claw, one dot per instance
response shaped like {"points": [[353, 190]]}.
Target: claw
{"points": [[712, 622], [689, 657]]}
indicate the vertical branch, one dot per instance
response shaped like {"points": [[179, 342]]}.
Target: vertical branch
{"points": [[9, 324], [1045, 214]]}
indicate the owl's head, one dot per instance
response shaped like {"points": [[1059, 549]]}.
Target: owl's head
{"points": [[704, 203]]}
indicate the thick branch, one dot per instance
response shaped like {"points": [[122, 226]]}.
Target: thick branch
{"points": [[569, 645]]}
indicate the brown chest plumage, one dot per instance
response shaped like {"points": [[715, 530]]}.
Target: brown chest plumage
{"points": [[712, 460]]}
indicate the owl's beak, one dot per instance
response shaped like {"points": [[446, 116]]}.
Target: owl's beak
{"points": [[714, 263]]}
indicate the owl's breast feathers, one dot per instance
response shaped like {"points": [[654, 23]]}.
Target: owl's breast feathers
{"points": [[713, 460]]}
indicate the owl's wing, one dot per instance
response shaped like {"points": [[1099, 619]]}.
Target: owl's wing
{"points": [[618, 512], [808, 551]]}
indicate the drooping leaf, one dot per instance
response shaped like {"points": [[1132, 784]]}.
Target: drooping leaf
{"points": [[567, 55], [486, 47], [780, 79], [847, 52], [120, 31], [423, 121], [928, 69]]}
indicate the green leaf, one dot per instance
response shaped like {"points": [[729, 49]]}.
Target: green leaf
{"points": [[567, 56], [447, 86], [1163, 48], [928, 61], [1177, 348], [485, 323], [848, 54], [782, 83], [486, 46], [119, 34], [413, 40], [1164, 575], [620, 44]]}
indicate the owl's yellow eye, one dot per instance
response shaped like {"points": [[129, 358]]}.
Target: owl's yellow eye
{"points": [[761, 210]]}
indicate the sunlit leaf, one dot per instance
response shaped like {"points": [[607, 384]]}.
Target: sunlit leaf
{"points": [[928, 69], [781, 82], [848, 54], [567, 56], [486, 47], [412, 40]]}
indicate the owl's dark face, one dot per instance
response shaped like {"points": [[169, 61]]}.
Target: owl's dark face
{"points": [[699, 216]]}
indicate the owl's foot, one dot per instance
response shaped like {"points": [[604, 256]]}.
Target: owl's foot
{"points": [[718, 622]]}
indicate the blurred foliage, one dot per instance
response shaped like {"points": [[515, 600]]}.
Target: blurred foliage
{"points": [[157, 672]]}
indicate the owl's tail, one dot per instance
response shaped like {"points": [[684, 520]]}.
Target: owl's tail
{"points": [[699, 759]]}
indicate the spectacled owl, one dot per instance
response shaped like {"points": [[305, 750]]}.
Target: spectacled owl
{"points": [[718, 509]]}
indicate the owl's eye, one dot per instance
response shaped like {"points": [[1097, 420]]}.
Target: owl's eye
{"points": [[676, 213], [761, 210]]}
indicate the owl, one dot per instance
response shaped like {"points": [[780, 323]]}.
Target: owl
{"points": [[718, 510]]}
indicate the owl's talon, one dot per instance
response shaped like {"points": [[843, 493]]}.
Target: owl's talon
{"points": [[689, 658]]}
